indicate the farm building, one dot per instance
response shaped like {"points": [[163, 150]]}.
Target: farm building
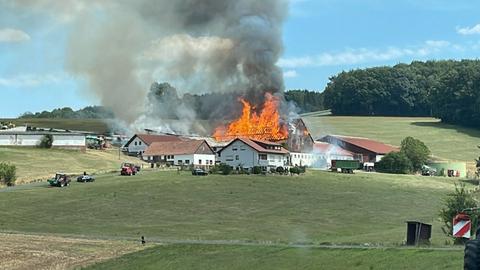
{"points": [[137, 145], [195, 153], [248, 153], [299, 138], [67, 140], [364, 149]]}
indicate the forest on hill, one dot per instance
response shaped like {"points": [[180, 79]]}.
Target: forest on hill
{"points": [[449, 90]]}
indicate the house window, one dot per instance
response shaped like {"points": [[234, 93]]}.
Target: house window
{"points": [[230, 158], [219, 154], [234, 149], [211, 162], [262, 157], [179, 162], [187, 161], [200, 161], [139, 143], [237, 157], [136, 143]]}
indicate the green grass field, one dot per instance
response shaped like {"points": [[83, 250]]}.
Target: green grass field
{"points": [[36, 163], [319, 208], [92, 125], [180, 257], [445, 141]]}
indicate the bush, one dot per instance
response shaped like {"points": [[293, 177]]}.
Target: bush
{"points": [[8, 174], [395, 162], [416, 151], [295, 170], [46, 142], [257, 170], [280, 170], [225, 169], [455, 202]]}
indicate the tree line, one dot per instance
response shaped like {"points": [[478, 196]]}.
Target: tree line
{"points": [[449, 90], [306, 101], [89, 112]]}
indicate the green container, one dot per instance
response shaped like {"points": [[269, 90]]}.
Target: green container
{"points": [[443, 167], [345, 164]]}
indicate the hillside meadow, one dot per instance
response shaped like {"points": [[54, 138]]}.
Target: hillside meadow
{"points": [[445, 141], [36, 163]]}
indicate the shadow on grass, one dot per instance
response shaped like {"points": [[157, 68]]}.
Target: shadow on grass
{"points": [[467, 131]]}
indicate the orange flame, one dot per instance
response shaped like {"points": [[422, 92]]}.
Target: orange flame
{"points": [[263, 126]]}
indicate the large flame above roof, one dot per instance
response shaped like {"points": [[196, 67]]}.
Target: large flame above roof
{"points": [[264, 125]]}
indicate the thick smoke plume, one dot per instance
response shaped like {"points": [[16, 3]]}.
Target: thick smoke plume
{"points": [[198, 46]]}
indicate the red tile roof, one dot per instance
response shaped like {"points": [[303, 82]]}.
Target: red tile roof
{"points": [[368, 144], [148, 139], [323, 147], [257, 146], [176, 148]]}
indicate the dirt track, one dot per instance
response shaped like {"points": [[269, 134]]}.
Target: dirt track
{"points": [[19, 251]]}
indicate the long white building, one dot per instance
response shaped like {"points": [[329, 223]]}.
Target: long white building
{"points": [[33, 138]]}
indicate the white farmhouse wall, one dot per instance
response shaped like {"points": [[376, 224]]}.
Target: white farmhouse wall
{"points": [[243, 156], [302, 159], [68, 140], [276, 160], [239, 154], [205, 159], [378, 158], [28, 140], [137, 146]]}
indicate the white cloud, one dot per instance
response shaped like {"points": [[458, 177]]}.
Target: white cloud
{"points": [[469, 30], [31, 80], [13, 35], [290, 74], [358, 56]]}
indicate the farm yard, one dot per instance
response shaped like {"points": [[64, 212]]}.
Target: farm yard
{"points": [[319, 208], [234, 221], [445, 141]]}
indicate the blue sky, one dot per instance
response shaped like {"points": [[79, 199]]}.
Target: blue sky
{"points": [[321, 38]]}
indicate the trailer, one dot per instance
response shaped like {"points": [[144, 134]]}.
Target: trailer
{"points": [[344, 166]]}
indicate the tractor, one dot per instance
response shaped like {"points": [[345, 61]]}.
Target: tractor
{"points": [[471, 257], [60, 180]]}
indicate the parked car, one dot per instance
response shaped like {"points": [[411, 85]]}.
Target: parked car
{"points": [[200, 172], [128, 169], [85, 178]]}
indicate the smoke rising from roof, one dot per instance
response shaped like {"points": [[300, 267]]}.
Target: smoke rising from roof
{"points": [[198, 46]]}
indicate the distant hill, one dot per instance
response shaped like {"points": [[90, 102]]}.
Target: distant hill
{"points": [[89, 112]]}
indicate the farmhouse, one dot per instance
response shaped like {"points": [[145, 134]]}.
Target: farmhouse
{"points": [[195, 153], [248, 153], [137, 145], [67, 140], [364, 149]]}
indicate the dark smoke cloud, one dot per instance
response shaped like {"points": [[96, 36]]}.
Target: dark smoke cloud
{"points": [[121, 47]]}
